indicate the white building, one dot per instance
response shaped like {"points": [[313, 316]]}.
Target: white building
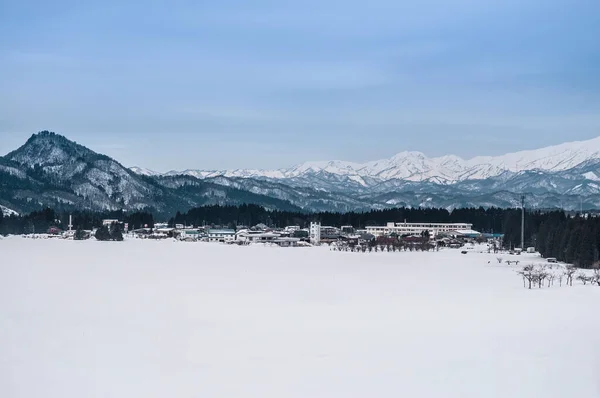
{"points": [[314, 233], [221, 235], [347, 229], [329, 231], [417, 228], [256, 236]]}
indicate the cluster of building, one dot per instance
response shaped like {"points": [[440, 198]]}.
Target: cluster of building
{"points": [[285, 237], [451, 233], [444, 234], [316, 234]]}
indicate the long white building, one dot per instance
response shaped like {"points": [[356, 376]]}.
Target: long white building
{"points": [[409, 228]]}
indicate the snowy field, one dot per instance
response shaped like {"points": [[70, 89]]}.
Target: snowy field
{"points": [[168, 319]]}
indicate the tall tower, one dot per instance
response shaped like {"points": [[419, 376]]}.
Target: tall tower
{"points": [[315, 233], [70, 222], [522, 222]]}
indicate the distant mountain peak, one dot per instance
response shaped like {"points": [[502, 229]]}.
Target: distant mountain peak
{"points": [[416, 166], [144, 172], [46, 148]]}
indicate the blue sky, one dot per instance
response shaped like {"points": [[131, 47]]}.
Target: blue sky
{"points": [[267, 84]]}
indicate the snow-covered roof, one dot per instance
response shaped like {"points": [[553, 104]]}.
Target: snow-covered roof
{"points": [[467, 232], [221, 231]]}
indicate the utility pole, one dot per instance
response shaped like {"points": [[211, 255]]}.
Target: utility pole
{"points": [[522, 222]]}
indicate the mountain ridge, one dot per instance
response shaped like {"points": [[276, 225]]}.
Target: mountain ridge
{"points": [[50, 170], [416, 166]]}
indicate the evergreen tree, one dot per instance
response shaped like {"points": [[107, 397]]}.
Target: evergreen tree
{"points": [[588, 248], [116, 232], [103, 233], [573, 246], [542, 238], [80, 234]]}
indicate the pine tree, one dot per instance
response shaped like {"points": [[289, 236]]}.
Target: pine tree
{"points": [[587, 250], [115, 232], [542, 238], [102, 233], [573, 247], [80, 234]]}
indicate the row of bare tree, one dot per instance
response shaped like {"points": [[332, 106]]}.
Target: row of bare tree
{"points": [[385, 248], [540, 275]]}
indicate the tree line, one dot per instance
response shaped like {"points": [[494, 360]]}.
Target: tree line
{"points": [[491, 220], [575, 240], [41, 221]]}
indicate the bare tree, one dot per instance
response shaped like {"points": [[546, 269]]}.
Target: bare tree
{"points": [[528, 274], [540, 275], [550, 279], [499, 260], [583, 278], [596, 277], [533, 275], [569, 272]]}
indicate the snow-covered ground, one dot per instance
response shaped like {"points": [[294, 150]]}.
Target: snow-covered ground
{"points": [[167, 319]]}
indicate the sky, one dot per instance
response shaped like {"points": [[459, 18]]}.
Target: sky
{"points": [[269, 84]]}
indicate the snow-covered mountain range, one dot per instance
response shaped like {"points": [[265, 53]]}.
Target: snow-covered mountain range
{"points": [[50, 170], [417, 167]]}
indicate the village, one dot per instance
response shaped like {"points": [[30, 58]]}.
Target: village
{"points": [[424, 236], [445, 235]]}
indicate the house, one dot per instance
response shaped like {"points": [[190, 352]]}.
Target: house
{"points": [[142, 233], [191, 235], [221, 235], [466, 234], [260, 227], [70, 234], [329, 232], [347, 229], [54, 231], [247, 236], [287, 242], [365, 238], [164, 231]]}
